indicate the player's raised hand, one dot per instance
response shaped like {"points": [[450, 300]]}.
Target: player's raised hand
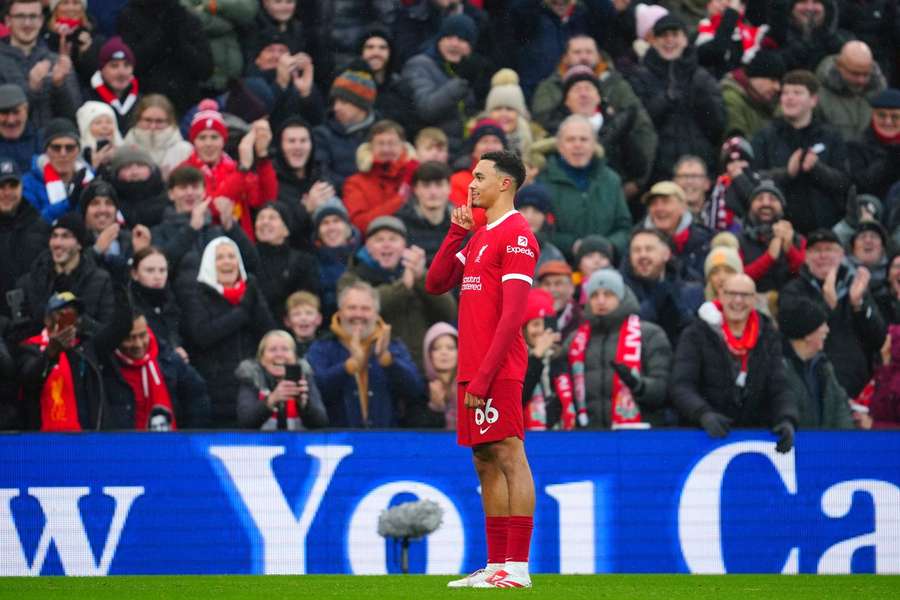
{"points": [[462, 215]]}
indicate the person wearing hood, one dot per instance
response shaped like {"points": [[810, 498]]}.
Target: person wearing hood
{"points": [[653, 274], [804, 32], [624, 359], [822, 403], [57, 177], [857, 328], [392, 101], [869, 247], [336, 240], [440, 350], [875, 159], [587, 194], [267, 400], [750, 93], [386, 164], [849, 80], [155, 131], [534, 202], [367, 377], [668, 213], [773, 253], [23, 234], [682, 98], [427, 213], [139, 186], [283, 269], [397, 272], [548, 109], [100, 135], [728, 370], [806, 158], [225, 316], [448, 79], [248, 182], [352, 99]]}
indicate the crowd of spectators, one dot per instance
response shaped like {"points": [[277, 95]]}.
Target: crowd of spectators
{"points": [[220, 214]]}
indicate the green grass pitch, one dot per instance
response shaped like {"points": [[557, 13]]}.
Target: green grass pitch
{"points": [[563, 587]]}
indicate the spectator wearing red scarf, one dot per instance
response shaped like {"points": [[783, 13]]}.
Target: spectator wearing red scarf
{"points": [[250, 181], [875, 159], [728, 369], [225, 315]]}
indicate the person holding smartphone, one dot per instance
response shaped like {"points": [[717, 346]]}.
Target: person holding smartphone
{"points": [[277, 391]]}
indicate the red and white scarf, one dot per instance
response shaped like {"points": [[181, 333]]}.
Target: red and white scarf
{"points": [[59, 407], [110, 97], [56, 187], [740, 347], [625, 413], [148, 386]]}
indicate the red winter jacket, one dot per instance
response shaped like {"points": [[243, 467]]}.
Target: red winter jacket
{"points": [[376, 191]]}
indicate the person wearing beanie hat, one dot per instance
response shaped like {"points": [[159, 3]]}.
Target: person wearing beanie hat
{"points": [[237, 187], [732, 351], [582, 96], [645, 17], [460, 26], [857, 326], [534, 202], [849, 78], [440, 350], [388, 223], [58, 175], [869, 247], [114, 82], [809, 372], [74, 224], [875, 158], [773, 253], [624, 359], [335, 241], [376, 49], [725, 39], [721, 263], [112, 242], [96, 122], [595, 252], [751, 93], [283, 269], [356, 87], [487, 136], [505, 104]]}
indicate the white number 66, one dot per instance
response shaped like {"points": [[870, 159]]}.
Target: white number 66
{"points": [[489, 414]]}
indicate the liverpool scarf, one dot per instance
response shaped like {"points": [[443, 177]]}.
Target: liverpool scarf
{"points": [[740, 347], [59, 408], [235, 293], [143, 377], [56, 188], [624, 410], [121, 107]]}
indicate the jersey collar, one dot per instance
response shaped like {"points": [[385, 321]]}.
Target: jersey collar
{"points": [[501, 219]]}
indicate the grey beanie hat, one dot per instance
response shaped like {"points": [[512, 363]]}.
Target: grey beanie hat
{"points": [[606, 279]]}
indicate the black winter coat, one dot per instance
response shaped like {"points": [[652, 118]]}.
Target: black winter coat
{"points": [[142, 202], [161, 311], [815, 199], [284, 271], [220, 336], [704, 374], [686, 106], [854, 337], [23, 236], [874, 166]]}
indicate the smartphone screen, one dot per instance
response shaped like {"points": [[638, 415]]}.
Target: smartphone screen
{"points": [[293, 372]]}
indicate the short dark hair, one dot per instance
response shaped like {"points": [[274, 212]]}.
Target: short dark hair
{"points": [[665, 239], [802, 77], [185, 175], [507, 162], [385, 125], [431, 171]]}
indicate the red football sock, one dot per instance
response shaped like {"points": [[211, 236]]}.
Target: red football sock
{"points": [[519, 538], [496, 528]]}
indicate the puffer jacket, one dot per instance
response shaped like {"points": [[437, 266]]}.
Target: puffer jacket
{"points": [[222, 22], [374, 190], [827, 407], [336, 147], [844, 109], [798, 48], [656, 361], [256, 384], [745, 114]]}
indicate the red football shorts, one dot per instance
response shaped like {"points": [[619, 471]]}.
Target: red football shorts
{"points": [[500, 418]]}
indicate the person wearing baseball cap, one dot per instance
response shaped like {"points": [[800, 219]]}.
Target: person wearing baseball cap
{"points": [[114, 82], [668, 212], [825, 404], [875, 158], [19, 139], [857, 326]]}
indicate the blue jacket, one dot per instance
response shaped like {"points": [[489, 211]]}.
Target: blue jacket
{"points": [[23, 149], [393, 390], [34, 190]]}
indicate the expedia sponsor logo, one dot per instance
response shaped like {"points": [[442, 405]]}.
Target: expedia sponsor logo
{"points": [[472, 283], [520, 250]]}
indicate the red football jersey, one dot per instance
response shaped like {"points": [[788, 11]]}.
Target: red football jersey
{"points": [[503, 250]]}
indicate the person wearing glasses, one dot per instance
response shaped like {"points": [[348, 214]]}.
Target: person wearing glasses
{"points": [[875, 159], [728, 369], [26, 60], [57, 177]]}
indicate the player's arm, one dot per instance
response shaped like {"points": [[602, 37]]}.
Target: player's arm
{"points": [[446, 270]]}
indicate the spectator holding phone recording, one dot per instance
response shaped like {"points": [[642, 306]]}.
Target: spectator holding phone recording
{"points": [[805, 158], [277, 390]]}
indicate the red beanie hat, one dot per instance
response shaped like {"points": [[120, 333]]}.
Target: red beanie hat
{"points": [[539, 305], [207, 117]]}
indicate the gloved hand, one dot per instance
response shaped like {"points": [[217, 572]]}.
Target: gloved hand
{"points": [[785, 433], [715, 424], [630, 378]]}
